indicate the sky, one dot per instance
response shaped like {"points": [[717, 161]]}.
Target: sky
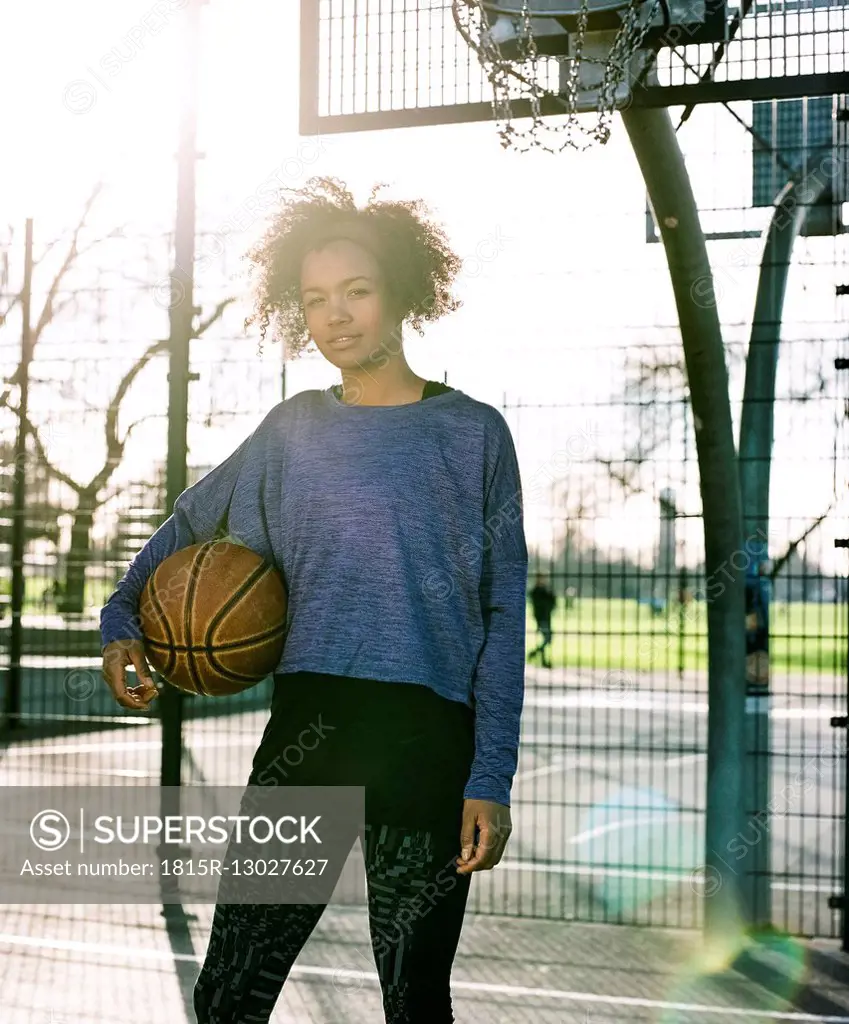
{"points": [[557, 278]]}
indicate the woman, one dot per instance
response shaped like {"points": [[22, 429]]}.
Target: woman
{"points": [[398, 528]]}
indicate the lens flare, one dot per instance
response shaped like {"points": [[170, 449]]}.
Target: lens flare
{"points": [[776, 962], [643, 847]]}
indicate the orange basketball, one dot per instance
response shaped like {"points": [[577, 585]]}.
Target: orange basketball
{"points": [[213, 617]]}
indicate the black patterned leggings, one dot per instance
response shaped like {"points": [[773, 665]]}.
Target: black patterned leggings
{"points": [[411, 750]]}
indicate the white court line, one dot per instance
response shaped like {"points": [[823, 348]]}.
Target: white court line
{"points": [[590, 871], [575, 740], [659, 701], [135, 953], [548, 769], [31, 749], [685, 759], [581, 747], [117, 745], [595, 699], [579, 760], [660, 814]]}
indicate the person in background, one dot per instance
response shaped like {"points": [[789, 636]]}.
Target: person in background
{"points": [[543, 601]]}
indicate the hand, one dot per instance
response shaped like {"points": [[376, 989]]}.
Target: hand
{"points": [[494, 827], [116, 656]]}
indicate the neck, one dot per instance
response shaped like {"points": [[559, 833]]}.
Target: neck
{"points": [[392, 384]]}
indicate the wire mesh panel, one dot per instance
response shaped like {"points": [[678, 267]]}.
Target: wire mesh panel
{"points": [[775, 48], [609, 797], [391, 63], [94, 474]]}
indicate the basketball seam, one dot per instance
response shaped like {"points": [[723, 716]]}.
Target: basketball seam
{"points": [[250, 584], [230, 645], [228, 673], [163, 618], [191, 665], [206, 656]]}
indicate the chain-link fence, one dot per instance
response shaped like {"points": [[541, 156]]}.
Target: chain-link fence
{"points": [[609, 797], [94, 471], [610, 793]]}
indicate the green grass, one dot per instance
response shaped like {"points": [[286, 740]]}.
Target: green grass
{"points": [[806, 638], [97, 592], [615, 634]]}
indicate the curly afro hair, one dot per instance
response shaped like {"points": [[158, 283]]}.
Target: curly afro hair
{"points": [[415, 259]]}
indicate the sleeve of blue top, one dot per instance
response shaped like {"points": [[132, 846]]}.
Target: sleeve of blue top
{"points": [[198, 513], [499, 682]]}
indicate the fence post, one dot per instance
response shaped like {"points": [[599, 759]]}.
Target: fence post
{"points": [[793, 206], [12, 708], [841, 901], [181, 313]]}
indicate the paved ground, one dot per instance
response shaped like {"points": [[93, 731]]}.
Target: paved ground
{"points": [[608, 798], [128, 965], [609, 818]]}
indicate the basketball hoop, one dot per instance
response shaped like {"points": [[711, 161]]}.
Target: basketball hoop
{"points": [[594, 46]]}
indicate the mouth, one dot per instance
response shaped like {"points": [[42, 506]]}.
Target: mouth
{"points": [[344, 340]]}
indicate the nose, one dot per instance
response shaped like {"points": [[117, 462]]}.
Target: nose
{"points": [[338, 312]]}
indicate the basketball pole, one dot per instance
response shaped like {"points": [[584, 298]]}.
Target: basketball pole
{"points": [[181, 315], [658, 153], [793, 206]]}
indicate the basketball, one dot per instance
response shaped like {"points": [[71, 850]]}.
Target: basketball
{"points": [[213, 617]]}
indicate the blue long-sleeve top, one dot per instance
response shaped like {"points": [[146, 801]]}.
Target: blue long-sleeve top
{"points": [[399, 533]]}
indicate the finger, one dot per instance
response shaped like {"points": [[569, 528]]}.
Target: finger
{"points": [[143, 694], [477, 850], [467, 834], [485, 858], [117, 685], [490, 846], [485, 847], [114, 672], [499, 835], [500, 846], [493, 855], [114, 675], [145, 690], [141, 667], [472, 865], [138, 699]]}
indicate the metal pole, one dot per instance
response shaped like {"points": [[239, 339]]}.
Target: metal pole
{"points": [[12, 707], [181, 314], [283, 375], [842, 901], [792, 208], [656, 147]]}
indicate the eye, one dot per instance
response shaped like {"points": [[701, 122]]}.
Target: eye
{"points": [[314, 300], [358, 291]]}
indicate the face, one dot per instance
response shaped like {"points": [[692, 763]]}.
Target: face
{"points": [[345, 304]]}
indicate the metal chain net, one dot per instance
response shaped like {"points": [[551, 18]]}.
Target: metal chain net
{"points": [[470, 19]]}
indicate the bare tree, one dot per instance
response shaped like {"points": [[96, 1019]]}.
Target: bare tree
{"points": [[90, 493], [659, 378]]}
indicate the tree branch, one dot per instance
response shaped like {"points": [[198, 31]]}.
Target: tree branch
{"points": [[779, 563], [114, 445], [41, 453]]}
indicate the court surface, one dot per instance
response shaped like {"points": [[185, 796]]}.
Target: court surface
{"points": [[90, 964]]}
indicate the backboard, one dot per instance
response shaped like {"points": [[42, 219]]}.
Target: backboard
{"points": [[801, 136], [806, 139], [376, 64]]}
